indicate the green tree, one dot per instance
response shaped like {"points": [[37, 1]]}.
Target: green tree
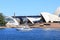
{"points": [[2, 21]]}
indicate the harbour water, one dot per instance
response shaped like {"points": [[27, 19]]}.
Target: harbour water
{"points": [[34, 34]]}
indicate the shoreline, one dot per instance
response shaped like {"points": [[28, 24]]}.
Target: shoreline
{"points": [[37, 25]]}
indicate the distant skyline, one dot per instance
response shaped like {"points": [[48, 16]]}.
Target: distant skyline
{"points": [[28, 7]]}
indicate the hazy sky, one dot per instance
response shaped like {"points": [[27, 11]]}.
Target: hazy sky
{"points": [[28, 7]]}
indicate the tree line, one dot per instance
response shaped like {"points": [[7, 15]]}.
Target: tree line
{"points": [[2, 20]]}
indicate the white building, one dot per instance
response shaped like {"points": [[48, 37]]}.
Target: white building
{"points": [[57, 11], [11, 22], [48, 17], [45, 17], [32, 20]]}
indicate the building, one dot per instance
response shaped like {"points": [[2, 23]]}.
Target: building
{"points": [[48, 17], [11, 22], [23, 19], [44, 17]]}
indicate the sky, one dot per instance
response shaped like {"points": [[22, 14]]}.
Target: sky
{"points": [[27, 7]]}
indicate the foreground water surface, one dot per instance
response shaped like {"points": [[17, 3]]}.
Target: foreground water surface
{"points": [[34, 34]]}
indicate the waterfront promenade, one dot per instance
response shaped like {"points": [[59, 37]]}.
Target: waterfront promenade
{"points": [[38, 25]]}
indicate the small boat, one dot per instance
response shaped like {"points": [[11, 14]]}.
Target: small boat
{"points": [[24, 29]]}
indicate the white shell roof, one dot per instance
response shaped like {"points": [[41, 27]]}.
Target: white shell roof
{"points": [[50, 17], [33, 19]]}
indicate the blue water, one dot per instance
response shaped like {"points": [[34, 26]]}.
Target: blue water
{"points": [[34, 34]]}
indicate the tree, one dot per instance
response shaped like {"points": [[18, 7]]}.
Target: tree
{"points": [[2, 20]]}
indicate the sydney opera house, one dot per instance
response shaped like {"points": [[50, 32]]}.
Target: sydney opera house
{"points": [[45, 19]]}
